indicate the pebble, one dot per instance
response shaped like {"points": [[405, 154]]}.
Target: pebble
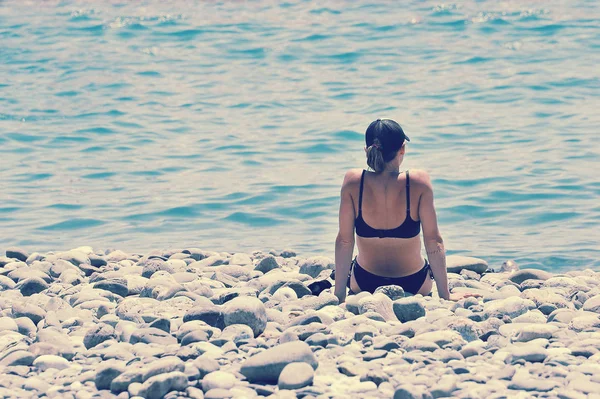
{"points": [[528, 353], [296, 375], [267, 264], [152, 335], [46, 362], [17, 253], [18, 358], [408, 309], [98, 334], [32, 285], [164, 365], [218, 380], [158, 386], [107, 372], [315, 265], [266, 366], [456, 263], [529, 274], [29, 310], [248, 311]]}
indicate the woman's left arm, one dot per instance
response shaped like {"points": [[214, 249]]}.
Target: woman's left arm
{"points": [[344, 243]]}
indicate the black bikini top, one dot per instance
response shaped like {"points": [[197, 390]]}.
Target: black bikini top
{"points": [[408, 229]]}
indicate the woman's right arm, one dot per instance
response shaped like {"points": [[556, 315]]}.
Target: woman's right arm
{"points": [[434, 244]]}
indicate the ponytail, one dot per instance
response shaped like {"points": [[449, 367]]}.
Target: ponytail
{"points": [[375, 157]]}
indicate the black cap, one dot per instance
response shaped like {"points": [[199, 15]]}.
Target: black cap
{"points": [[388, 135]]}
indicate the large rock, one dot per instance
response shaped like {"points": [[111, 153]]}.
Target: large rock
{"points": [[17, 253], [117, 286], [525, 332], [235, 333], [158, 386], [18, 358], [164, 365], [511, 307], [545, 296], [443, 338], [57, 338], [267, 264], [592, 304], [315, 265], [96, 261], [195, 336], [296, 376], [23, 273], [407, 309], [246, 310], [26, 327], [456, 263], [218, 380], [391, 291], [567, 285], [529, 274], [116, 256], [267, 366], [152, 335], [33, 285], [509, 266], [207, 312], [161, 289], [8, 324], [378, 303], [6, 283], [193, 326], [46, 362], [29, 310], [60, 266], [240, 259], [528, 353], [121, 382], [205, 365], [98, 334], [75, 257], [107, 372], [299, 288], [154, 265], [316, 302]]}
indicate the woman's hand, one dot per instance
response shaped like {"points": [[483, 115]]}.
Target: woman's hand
{"points": [[341, 295], [457, 296]]}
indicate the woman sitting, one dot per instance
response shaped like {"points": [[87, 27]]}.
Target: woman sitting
{"points": [[388, 209]]}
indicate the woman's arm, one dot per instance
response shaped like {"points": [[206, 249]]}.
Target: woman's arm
{"points": [[434, 244], [344, 242]]}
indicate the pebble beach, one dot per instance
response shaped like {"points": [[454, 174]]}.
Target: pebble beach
{"points": [[191, 323]]}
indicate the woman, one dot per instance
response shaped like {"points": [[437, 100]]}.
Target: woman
{"points": [[387, 208]]}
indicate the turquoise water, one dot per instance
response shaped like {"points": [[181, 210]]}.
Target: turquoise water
{"points": [[229, 125]]}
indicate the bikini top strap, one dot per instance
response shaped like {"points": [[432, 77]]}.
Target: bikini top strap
{"points": [[362, 180], [407, 193]]}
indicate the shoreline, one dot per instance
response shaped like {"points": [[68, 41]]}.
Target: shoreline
{"points": [[191, 323]]}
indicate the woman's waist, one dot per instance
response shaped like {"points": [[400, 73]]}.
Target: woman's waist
{"points": [[391, 267]]}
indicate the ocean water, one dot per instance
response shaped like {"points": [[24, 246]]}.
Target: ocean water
{"points": [[229, 125]]}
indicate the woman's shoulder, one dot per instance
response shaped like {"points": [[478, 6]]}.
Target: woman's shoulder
{"points": [[420, 177], [352, 177]]}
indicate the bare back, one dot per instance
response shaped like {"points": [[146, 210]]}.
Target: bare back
{"points": [[384, 207]]}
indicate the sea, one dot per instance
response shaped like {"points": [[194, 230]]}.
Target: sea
{"points": [[229, 125]]}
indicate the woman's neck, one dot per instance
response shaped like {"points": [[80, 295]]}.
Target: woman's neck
{"points": [[392, 167]]}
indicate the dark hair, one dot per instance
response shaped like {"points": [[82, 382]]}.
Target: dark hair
{"points": [[384, 137]]}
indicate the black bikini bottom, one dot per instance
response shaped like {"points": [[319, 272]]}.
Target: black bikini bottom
{"points": [[368, 281]]}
